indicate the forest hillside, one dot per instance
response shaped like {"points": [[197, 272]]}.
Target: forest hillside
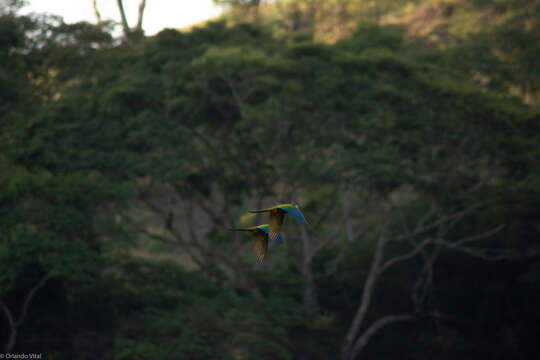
{"points": [[408, 135]]}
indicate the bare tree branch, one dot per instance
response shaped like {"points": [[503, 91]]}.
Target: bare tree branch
{"points": [[192, 242], [148, 234], [379, 324], [125, 25], [12, 329], [443, 219], [140, 15], [484, 254], [403, 222], [96, 12], [483, 235], [347, 210], [353, 345], [237, 98], [186, 244], [30, 297], [16, 324], [209, 210], [326, 212], [427, 215], [352, 236], [332, 266], [407, 256], [9, 316], [420, 289], [374, 329], [490, 173]]}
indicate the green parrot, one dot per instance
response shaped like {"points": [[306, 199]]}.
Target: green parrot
{"points": [[277, 214], [260, 240]]}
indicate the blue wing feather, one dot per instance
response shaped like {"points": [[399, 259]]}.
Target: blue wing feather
{"points": [[279, 239], [297, 214]]}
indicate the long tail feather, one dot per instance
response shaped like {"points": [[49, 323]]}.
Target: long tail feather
{"points": [[259, 211]]}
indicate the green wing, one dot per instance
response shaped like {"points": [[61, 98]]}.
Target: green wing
{"points": [[280, 206], [260, 245], [274, 225]]}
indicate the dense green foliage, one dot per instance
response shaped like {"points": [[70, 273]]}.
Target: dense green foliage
{"points": [[122, 167], [494, 42]]}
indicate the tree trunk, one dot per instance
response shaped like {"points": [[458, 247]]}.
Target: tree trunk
{"points": [[366, 300], [14, 325], [310, 294], [12, 328], [142, 5], [98, 15], [11, 341], [125, 25]]}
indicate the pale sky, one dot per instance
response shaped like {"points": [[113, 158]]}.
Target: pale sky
{"points": [[158, 14]]}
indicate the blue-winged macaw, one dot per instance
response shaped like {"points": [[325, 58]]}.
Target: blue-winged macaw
{"points": [[277, 214], [260, 240]]}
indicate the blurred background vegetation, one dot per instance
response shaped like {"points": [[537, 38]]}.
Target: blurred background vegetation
{"points": [[408, 132]]}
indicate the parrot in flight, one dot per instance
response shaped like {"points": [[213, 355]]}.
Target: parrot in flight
{"points": [[277, 214], [260, 240]]}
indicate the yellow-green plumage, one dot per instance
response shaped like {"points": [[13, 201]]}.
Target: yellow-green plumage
{"points": [[260, 245], [275, 222], [260, 241]]}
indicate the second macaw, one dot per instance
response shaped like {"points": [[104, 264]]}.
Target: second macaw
{"points": [[260, 240]]}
